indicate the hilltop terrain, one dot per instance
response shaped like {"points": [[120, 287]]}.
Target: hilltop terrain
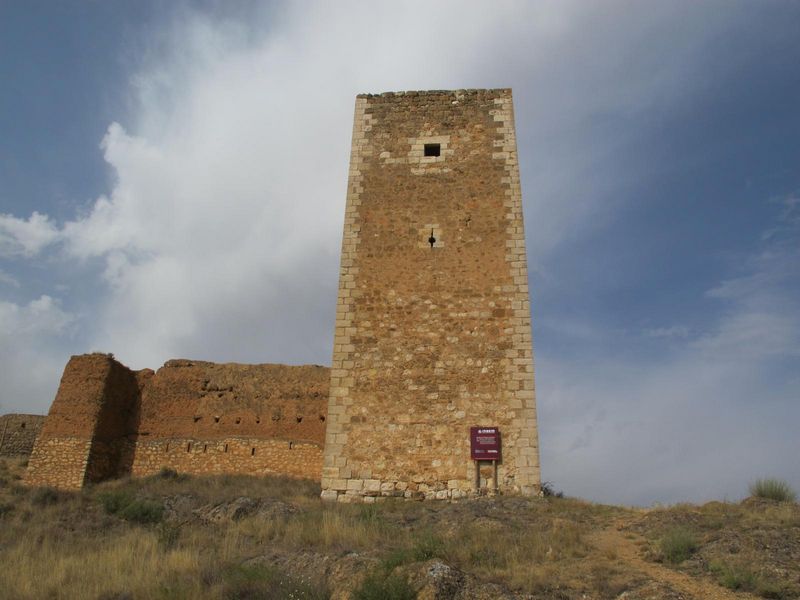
{"points": [[174, 536]]}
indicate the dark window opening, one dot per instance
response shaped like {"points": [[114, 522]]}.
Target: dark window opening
{"points": [[322, 418], [291, 445], [226, 448], [216, 419], [22, 426], [205, 448], [252, 452], [189, 447], [432, 149], [299, 419], [196, 418], [238, 420], [258, 420], [166, 449]]}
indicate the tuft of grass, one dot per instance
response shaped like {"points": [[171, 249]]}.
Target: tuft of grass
{"points": [[742, 578], [773, 489], [677, 545], [380, 586], [428, 546]]}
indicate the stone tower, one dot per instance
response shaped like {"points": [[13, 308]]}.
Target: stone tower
{"points": [[433, 328]]}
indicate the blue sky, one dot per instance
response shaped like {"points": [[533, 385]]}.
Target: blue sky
{"points": [[155, 202]]}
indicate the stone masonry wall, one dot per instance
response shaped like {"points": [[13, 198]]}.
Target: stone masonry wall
{"points": [[192, 416], [202, 417], [18, 433], [60, 457], [433, 331]]}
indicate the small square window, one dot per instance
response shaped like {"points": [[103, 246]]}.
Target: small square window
{"points": [[432, 149]]}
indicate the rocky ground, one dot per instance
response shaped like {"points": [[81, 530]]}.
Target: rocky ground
{"points": [[240, 537]]}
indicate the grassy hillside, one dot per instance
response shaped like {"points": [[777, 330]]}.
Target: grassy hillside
{"points": [[175, 536]]}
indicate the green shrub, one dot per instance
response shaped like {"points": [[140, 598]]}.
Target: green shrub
{"points": [[734, 577], [677, 545], [773, 489], [167, 473], [742, 578], [267, 583], [126, 506], [380, 586], [115, 500], [45, 496], [143, 512]]}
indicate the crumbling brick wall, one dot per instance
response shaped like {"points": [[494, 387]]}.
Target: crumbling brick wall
{"points": [[191, 416], [202, 417], [433, 329], [18, 433]]}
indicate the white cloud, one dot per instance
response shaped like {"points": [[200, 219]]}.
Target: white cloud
{"points": [[26, 237], [30, 360]]}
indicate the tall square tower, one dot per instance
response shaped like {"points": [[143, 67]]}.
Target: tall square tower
{"points": [[433, 327]]}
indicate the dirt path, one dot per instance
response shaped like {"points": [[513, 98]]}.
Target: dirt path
{"points": [[613, 542]]}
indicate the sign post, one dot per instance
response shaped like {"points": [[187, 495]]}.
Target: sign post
{"points": [[484, 444]]}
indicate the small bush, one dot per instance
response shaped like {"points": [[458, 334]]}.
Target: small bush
{"points": [[115, 500], [45, 496], [167, 473], [773, 489], [677, 545], [734, 577], [266, 583], [126, 506], [143, 512], [380, 586]]}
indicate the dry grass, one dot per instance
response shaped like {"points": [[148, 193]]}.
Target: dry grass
{"points": [[82, 545]]}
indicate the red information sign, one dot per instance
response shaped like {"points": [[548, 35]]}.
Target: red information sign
{"points": [[484, 443]]}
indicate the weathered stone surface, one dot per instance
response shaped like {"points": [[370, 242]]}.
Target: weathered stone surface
{"points": [[190, 416], [18, 433], [433, 331]]}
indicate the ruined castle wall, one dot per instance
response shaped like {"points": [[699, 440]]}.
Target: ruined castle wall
{"points": [[18, 433], [202, 417], [60, 457], [191, 416], [431, 338]]}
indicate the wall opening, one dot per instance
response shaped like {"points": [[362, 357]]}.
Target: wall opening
{"points": [[189, 447], [22, 426], [252, 452], [225, 449], [299, 419], [432, 149], [205, 448]]}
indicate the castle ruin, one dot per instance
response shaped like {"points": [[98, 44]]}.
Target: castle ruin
{"points": [[433, 337]]}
